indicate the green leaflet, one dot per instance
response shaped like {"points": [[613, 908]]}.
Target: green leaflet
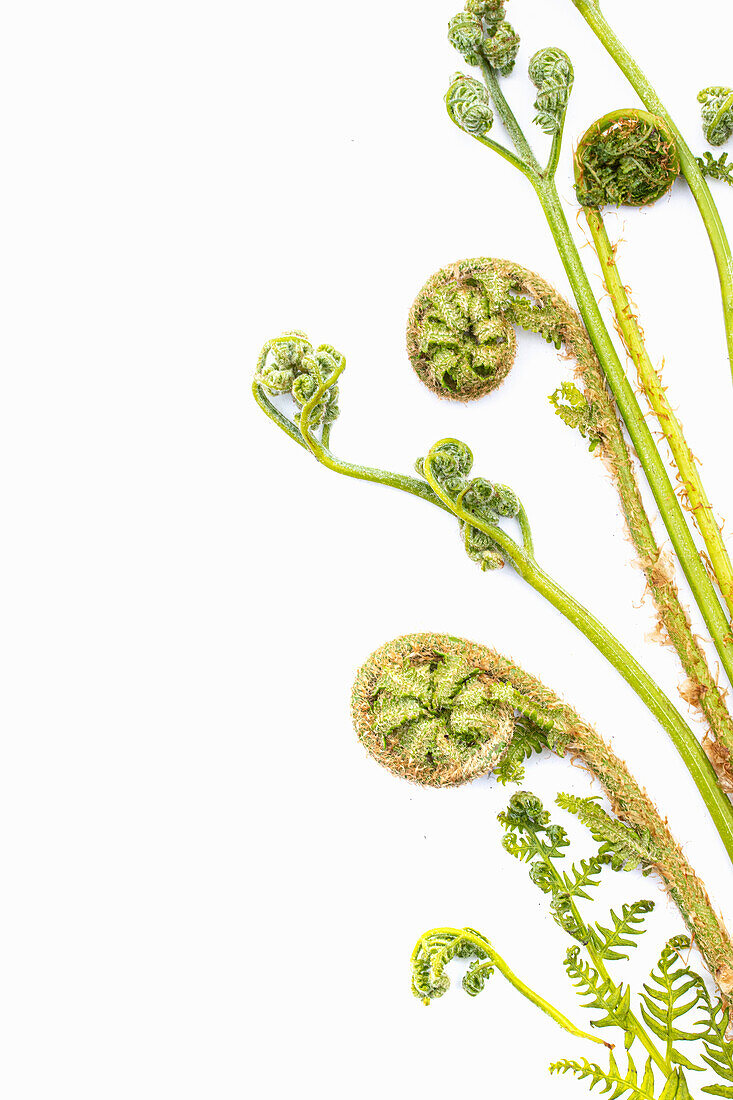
{"points": [[716, 168], [673, 992], [575, 410], [626, 1084], [528, 739], [607, 941], [718, 1050], [603, 994], [624, 847]]}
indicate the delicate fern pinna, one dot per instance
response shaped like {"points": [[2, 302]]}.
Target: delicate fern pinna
{"points": [[476, 49]]}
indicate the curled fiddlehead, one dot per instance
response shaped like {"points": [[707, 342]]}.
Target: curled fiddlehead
{"points": [[551, 72], [435, 950], [418, 678], [717, 113], [461, 331], [480, 505], [290, 364], [468, 105], [626, 158], [481, 34]]}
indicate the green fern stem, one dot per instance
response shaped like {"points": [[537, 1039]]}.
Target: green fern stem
{"points": [[486, 948], [672, 429], [591, 12], [637, 427]]}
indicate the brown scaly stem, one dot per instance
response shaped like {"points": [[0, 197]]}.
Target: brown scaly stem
{"points": [[438, 663], [561, 323]]}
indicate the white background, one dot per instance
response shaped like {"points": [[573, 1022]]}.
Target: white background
{"points": [[208, 888]]}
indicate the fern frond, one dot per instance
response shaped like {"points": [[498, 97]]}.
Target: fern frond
{"points": [[716, 168], [718, 1050], [627, 1084], [583, 876], [623, 846], [604, 995], [663, 1003], [607, 941]]}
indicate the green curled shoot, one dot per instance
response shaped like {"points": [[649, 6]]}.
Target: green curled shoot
{"points": [[717, 113]]}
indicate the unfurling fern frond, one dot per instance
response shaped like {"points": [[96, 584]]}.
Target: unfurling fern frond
{"points": [[672, 992], [436, 949], [551, 72], [716, 168], [603, 993], [717, 113], [577, 412], [527, 740], [607, 941], [623, 846], [612, 1079]]}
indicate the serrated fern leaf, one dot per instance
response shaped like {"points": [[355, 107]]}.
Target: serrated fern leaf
{"points": [[583, 876], [607, 941], [623, 846], [716, 168], [613, 1080], [602, 993], [527, 740], [718, 1050], [673, 992], [576, 411]]}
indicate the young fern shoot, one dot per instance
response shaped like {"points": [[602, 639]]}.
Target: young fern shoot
{"points": [[480, 507], [477, 49], [689, 166]]}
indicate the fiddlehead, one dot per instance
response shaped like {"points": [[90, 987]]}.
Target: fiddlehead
{"points": [[290, 364], [717, 113], [446, 468], [461, 336], [626, 158], [481, 34], [551, 72], [402, 683], [468, 105]]}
